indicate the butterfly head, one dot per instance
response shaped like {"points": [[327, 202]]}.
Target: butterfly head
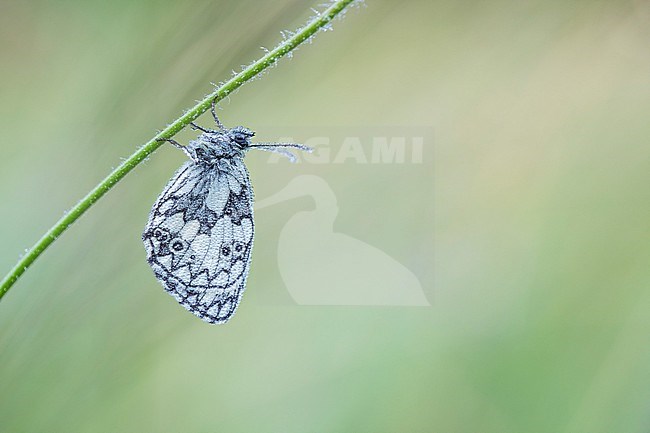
{"points": [[240, 136]]}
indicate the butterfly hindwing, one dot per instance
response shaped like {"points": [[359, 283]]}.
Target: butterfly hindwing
{"points": [[199, 237]]}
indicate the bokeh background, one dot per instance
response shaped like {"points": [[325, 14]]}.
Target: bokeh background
{"points": [[526, 224]]}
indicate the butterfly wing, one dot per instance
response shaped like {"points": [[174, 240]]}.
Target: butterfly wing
{"points": [[199, 237]]}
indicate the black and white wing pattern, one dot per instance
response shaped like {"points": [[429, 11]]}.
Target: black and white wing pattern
{"points": [[199, 237]]}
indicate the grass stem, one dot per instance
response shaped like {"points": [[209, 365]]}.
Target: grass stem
{"points": [[319, 22]]}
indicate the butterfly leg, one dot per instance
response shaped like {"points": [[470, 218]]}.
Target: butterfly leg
{"points": [[200, 128], [177, 145], [216, 119], [214, 113]]}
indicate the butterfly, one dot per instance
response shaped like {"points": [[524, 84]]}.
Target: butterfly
{"points": [[199, 235]]}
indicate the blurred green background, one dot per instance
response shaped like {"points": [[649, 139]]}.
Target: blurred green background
{"points": [[527, 223]]}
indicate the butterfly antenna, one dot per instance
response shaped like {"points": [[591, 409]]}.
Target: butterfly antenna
{"points": [[280, 149]]}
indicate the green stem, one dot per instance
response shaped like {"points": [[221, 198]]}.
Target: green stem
{"points": [[306, 32]]}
